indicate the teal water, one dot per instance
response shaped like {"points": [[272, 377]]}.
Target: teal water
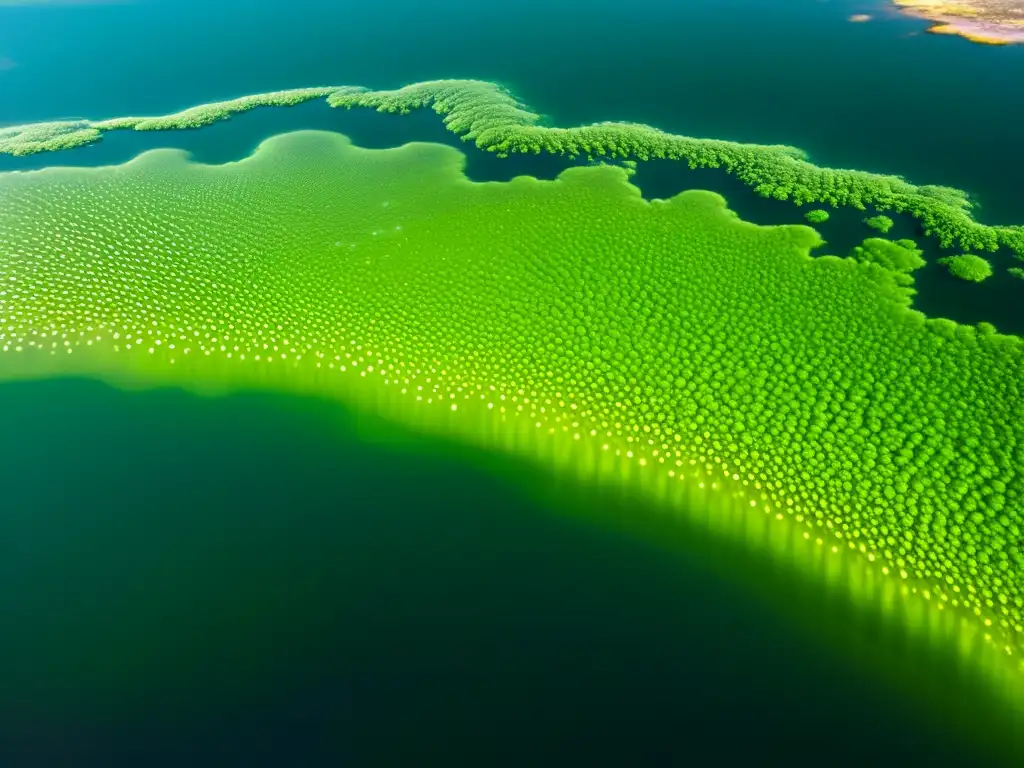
{"points": [[251, 581]]}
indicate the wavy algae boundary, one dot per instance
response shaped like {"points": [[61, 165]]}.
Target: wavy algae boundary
{"points": [[488, 115], [665, 345]]}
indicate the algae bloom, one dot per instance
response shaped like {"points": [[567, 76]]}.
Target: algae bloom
{"points": [[968, 267], [666, 344], [882, 223], [491, 117]]}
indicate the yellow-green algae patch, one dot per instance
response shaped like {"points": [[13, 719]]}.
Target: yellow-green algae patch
{"points": [[494, 120], [666, 344]]}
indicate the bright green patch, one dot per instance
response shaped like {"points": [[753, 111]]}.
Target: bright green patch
{"points": [[817, 216], [968, 267], [882, 223], [901, 258]]}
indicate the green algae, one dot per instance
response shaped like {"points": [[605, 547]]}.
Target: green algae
{"points": [[882, 223], [968, 267], [495, 121], [31, 139], [47, 137], [491, 117], [895, 255], [817, 216], [207, 114], [900, 258], [1016, 272], [666, 344]]}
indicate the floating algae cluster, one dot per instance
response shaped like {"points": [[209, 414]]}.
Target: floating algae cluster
{"points": [[968, 267], [488, 115], [817, 216], [568, 316], [882, 223]]}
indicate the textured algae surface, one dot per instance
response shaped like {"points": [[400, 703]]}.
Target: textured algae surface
{"points": [[882, 223], [491, 117], [968, 267]]}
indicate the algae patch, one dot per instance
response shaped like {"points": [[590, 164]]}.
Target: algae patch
{"points": [[968, 267], [668, 343], [495, 121]]}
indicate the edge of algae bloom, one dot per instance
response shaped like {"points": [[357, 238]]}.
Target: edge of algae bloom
{"points": [[491, 117], [121, 272], [967, 266]]}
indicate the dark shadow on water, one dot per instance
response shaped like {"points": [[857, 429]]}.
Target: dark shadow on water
{"points": [[245, 581]]}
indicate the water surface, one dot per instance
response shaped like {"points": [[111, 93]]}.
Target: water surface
{"points": [[252, 581]]}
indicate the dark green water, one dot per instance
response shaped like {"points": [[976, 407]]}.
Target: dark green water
{"points": [[250, 581]]}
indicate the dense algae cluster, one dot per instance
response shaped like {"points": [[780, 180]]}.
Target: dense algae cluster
{"points": [[488, 115], [968, 267], [881, 223], [667, 335]]}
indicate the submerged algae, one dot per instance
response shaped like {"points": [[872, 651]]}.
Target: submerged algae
{"points": [[668, 337], [495, 121]]}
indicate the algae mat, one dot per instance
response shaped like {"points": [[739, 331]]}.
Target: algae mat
{"points": [[666, 345]]}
